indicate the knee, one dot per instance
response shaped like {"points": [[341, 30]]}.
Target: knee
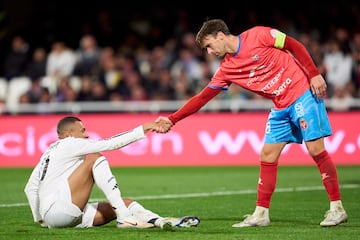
{"points": [[265, 156], [269, 156], [315, 151], [315, 147]]}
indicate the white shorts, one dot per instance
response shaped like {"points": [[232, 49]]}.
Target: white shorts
{"points": [[63, 213]]}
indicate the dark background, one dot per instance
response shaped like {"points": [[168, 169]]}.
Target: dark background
{"points": [[43, 21]]}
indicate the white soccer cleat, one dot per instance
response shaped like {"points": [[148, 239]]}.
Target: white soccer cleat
{"points": [[131, 223], [334, 217], [254, 220], [184, 222]]}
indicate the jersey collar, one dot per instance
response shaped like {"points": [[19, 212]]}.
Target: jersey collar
{"points": [[238, 49]]}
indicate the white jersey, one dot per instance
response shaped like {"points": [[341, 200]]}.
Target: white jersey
{"points": [[61, 159]]}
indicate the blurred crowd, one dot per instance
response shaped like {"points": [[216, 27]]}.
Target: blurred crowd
{"points": [[138, 69]]}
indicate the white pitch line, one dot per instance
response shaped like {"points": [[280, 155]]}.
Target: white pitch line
{"points": [[209, 194]]}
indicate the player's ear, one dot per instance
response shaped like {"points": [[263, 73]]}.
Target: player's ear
{"points": [[65, 133], [220, 35]]}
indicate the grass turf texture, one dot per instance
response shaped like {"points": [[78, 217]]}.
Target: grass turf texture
{"points": [[220, 196]]}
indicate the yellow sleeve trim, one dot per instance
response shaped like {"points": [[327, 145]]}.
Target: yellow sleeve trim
{"points": [[279, 40]]}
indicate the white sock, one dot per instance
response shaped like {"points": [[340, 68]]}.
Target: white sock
{"points": [[262, 211], [336, 205], [142, 214], [105, 180]]}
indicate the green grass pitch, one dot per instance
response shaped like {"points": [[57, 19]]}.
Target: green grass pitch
{"points": [[220, 196]]}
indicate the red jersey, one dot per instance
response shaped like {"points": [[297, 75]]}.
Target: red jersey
{"points": [[261, 65], [265, 64]]}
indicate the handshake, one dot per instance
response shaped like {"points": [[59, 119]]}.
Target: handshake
{"points": [[160, 125]]}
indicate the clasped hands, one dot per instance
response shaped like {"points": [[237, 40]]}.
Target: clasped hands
{"points": [[161, 125]]}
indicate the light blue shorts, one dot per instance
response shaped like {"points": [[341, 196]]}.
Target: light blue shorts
{"points": [[304, 120]]}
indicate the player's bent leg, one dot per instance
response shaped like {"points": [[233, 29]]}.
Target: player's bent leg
{"points": [[104, 213], [81, 181]]}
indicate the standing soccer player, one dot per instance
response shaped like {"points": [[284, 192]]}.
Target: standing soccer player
{"points": [[276, 66]]}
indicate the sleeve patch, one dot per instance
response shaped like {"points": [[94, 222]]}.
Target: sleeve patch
{"points": [[279, 38]]}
